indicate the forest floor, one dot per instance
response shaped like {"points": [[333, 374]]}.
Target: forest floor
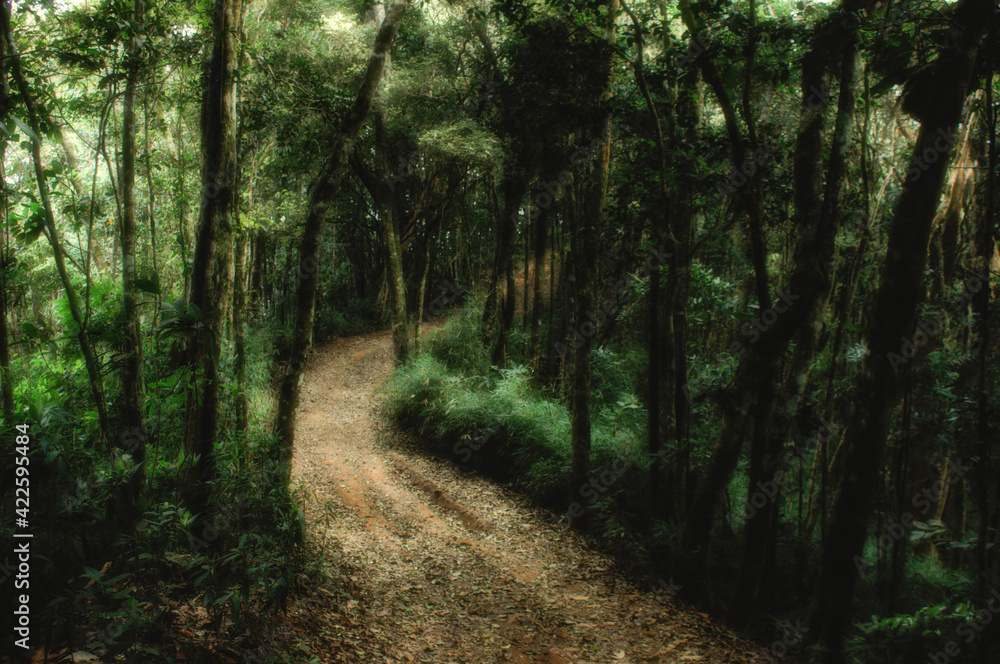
{"points": [[447, 567]]}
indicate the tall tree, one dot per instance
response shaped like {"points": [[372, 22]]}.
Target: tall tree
{"points": [[210, 273], [798, 304], [324, 190], [772, 430], [386, 200], [661, 405], [586, 218], [239, 329], [985, 249], [938, 104], [132, 409], [389, 236]]}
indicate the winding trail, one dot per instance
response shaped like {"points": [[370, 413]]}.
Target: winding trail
{"points": [[453, 568]]}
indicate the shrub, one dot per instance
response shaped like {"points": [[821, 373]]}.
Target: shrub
{"points": [[500, 424]]}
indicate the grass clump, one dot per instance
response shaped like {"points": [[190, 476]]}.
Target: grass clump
{"points": [[498, 423]]}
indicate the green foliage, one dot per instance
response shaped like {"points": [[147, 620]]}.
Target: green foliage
{"points": [[501, 425], [463, 142], [616, 376], [929, 628], [457, 345], [260, 343], [131, 571]]}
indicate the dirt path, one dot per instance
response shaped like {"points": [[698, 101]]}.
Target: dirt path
{"points": [[454, 568]]}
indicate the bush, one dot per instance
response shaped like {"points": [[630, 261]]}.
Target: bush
{"points": [[129, 570], [500, 425], [458, 344]]}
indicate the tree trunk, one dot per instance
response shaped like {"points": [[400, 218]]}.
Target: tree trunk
{"points": [[747, 192], [767, 461], [150, 193], [430, 234], [395, 280], [72, 166], [256, 299], [794, 308], [661, 403], [102, 146], [985, 248], [587, 223], [659, 417], [893, 319], [239, 331], [688, 114], [534, 324], [323, 193], [385, 198], [90, 360], [182, 231], [6, 379], [212, 254], [132, 409], [497, 312]]}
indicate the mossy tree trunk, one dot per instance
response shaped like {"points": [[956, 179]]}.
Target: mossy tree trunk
{"points": [[132, 403], [389, 237], [798, 304], [211, 273]]}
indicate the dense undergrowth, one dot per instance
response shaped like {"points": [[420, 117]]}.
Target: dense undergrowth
{"points": [[158, 583], [501, 424], [505, 425]]}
